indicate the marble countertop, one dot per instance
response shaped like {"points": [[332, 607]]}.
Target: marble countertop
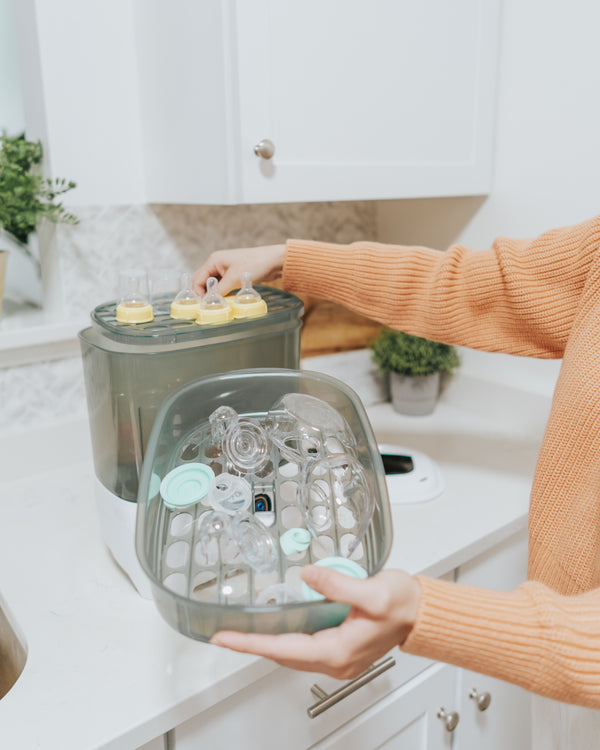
{"points": [[105, 671]]}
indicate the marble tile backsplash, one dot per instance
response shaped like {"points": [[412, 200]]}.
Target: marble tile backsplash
{"points": [[109, 238]]}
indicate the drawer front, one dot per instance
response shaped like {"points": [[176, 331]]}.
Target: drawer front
{"points": [[272, 712]]}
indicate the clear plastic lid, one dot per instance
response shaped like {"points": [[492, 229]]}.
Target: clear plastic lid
{"points": [[248, 303], [186, 304], [134, 304], [214, 308], [255, 543]]}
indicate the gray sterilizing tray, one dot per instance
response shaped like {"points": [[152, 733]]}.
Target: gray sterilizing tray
{"points": [[199, 596]]}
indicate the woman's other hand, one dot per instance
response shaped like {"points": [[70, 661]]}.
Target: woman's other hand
{"points": [[383, 611], [262, 263]]}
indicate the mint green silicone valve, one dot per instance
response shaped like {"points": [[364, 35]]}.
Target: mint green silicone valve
{"points": [[342, 565], [295, 540], [186, 485]]}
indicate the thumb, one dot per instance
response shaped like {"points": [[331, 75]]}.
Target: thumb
{"points": [[338, 587]]}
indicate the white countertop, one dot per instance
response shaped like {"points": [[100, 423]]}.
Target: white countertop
{"points": [[105, 671]]}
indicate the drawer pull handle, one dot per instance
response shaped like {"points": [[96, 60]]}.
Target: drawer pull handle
{"points": [[482, 700], [327, 700]]}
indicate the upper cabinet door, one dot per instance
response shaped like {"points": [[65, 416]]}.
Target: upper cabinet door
{"points": [[365, 100], [165, 100]]}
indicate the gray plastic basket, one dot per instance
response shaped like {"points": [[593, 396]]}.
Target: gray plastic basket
{"points": [[181, 434]]}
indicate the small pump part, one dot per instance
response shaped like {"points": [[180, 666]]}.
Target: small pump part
{"points": [[295, 540], [220, 421], [247, 446], [134, 305], [230, 494], [213, 308], [342, 565], [248, 303], [186, 304]]}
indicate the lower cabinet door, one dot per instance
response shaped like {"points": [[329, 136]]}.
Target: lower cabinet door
{"points": [[494, 715], [408, 719], [275, 712]]}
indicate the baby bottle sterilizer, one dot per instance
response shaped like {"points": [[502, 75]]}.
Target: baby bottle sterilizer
{"points": [[129, 369]]}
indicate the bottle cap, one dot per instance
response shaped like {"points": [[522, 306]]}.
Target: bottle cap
{"points": [[186, 485]]}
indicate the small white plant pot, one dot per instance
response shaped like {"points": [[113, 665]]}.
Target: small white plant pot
{"points": [[414, 396]]}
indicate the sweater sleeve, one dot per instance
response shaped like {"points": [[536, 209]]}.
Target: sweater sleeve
{"points": [[533, 637], [518, 297]]}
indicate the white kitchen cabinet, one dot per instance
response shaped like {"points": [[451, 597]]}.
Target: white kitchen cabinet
{"points": [[362, 100], [506, 722], [407, 719], [157, 744], [156, 101], [272, 713]]}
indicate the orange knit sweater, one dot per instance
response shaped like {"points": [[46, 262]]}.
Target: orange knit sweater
{"points": [[537, 298]]}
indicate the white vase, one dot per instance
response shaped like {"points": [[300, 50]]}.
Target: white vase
{"points": [[414, 396], [23, 282]]}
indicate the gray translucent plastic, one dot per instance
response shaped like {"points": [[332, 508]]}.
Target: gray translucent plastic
{"points": [[130, 369], [197, 599]]}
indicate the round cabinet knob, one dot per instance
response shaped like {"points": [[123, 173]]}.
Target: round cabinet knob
{"points": [[482, 700], [265, 149], [450, 718]]}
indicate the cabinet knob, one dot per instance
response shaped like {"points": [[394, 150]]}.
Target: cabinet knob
{"points": [[265, 149], [450, 718], [482, 700]]}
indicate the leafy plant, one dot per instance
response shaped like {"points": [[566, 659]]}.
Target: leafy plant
{"points": [[406, 354], [26, 196]]}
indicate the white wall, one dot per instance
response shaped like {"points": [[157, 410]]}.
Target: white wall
{"points": [[547, 160], [12, 116]]}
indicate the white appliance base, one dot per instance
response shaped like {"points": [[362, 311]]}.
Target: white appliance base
{"points": [[117, 521]]}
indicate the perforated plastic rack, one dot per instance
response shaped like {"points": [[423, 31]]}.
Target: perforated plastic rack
{"points": [[282, 307]]}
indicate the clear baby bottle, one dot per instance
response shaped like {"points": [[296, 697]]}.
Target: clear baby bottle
{"points": [[248, 303], [134, 305], [213, 307], [186, 304]]}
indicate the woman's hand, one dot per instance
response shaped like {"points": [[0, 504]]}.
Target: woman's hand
{"points": [[384, 609], [263, 264]]}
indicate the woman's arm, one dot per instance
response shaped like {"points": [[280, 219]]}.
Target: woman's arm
{"points": [[533, 637], [519, 297]]}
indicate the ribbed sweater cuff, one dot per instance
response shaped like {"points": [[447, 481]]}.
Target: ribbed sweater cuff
{"points": [[495, 633]]}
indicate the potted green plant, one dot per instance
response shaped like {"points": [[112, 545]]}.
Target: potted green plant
{"points": [[26, 197], [414, 365]]}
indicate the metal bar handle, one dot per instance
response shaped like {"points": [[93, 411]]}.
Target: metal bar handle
{"points": [[327, 700]]}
